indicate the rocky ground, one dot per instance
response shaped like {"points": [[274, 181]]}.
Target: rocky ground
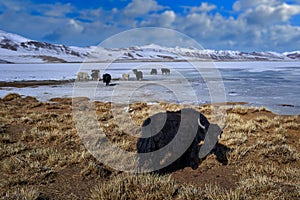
{"points": [[42, 155]]}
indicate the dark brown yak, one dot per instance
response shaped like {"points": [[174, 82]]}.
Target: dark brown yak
{"points": [[170, 140]]}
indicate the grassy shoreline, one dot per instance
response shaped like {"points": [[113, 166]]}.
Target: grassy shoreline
{"points": [[42, 155]]}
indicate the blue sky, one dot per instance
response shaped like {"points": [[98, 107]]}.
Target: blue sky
{"points": [[247, 25]]}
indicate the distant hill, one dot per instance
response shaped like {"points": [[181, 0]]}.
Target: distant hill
{"points": [[17, 49]]}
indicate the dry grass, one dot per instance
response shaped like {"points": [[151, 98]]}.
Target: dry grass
{"points": [[24, 193], [269, 181], [153, 186], [42, 155]]}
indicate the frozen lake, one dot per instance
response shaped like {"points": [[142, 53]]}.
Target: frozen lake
{"points": [[274, 85]]}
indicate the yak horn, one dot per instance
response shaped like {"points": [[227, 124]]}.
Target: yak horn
{"points": [[199, 123]]}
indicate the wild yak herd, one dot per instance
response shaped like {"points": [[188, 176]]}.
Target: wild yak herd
{"points": [[170, 140], [95, 75]]}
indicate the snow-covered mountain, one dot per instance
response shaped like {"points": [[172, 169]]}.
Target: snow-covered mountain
{"points": [[293, 55], [17, 49]]}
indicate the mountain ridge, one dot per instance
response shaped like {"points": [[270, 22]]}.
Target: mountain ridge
{"points": [[18, 49]]}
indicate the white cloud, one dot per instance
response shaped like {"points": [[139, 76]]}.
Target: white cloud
{"points": [[248, 4], [262, 27], [204, 7], [55, 10], [15, 6], [92, 14], [285, 34], [42, 22], [197, 25], [141, 7], [256, 25], [75, 24], [115, 10], [147, 35], [167, 18], [265, 14]]}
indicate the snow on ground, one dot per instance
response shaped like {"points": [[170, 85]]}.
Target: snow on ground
{"points": [[12, 37], [267, 84]]}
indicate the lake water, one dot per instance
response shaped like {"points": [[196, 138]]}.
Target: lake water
{"points": [[269, 84]]}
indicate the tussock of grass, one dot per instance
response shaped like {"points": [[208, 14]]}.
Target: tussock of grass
{"points": [[234, 138], [152, 186], [128, 186], [292, 125], [240, 110], [24, 193]]}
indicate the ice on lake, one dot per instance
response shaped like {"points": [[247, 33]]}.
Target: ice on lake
{"points": [[269, 84]]}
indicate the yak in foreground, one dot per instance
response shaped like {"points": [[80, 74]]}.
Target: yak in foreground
{"points": [[170, 140]]}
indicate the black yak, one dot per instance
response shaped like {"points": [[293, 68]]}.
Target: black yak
{"points": [[106, 79], [170, 140]]}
